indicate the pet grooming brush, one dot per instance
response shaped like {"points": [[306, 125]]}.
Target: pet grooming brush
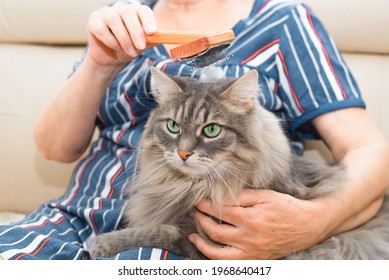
{"points": [[197, 49]]}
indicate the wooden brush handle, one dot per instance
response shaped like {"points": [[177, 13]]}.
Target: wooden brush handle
{"points": [[174, 37]]}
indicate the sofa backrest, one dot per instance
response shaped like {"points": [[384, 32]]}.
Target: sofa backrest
{"points": [[46, 21], [357, 26]]}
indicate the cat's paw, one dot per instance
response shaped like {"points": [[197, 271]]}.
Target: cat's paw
{"points": [[98, 247]]}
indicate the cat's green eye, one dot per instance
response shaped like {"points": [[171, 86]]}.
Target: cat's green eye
{"points": [[173, 126], [212, 130]]}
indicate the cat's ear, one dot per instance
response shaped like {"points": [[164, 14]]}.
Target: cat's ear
{"points": [[243, 92], [163, 87]]}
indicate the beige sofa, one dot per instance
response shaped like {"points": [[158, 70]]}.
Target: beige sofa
{"points": [[39, 41]]}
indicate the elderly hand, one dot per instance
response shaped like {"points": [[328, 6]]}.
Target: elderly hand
{"points": [[266, 225], [117, 34]]}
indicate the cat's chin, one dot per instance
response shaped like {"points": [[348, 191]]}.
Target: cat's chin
{"points": [[189, 169]]}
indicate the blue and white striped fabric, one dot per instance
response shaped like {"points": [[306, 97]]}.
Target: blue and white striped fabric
{"points": [[302, 76]]}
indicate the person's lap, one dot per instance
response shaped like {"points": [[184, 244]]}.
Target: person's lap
{"points": [[50, 233]]}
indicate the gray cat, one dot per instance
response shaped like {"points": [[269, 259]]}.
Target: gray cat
{"points": [[211, 140]]}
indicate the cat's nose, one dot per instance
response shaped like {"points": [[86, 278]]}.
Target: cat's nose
{"points": [[184, 155]]}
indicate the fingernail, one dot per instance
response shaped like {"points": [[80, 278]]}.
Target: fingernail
{"points": [[193, 213], [151, 28], [140, 43], [192, 238], [132, 52]]}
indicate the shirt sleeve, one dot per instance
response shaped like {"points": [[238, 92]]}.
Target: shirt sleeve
{"points": [[313, 76]]}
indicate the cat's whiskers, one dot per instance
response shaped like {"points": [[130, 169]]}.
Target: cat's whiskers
{"points": [[127, 179], [211, 180], [225, 165], [232, 197], [154, 170], [211, 163], [157, 160], [230, 192], [233, 200], [131, 168], [237, 176]]}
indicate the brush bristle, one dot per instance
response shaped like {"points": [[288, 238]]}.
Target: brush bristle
{"points": [[211, 56]]}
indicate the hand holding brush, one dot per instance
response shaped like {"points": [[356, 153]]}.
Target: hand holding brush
{"points": [[117, 34]]}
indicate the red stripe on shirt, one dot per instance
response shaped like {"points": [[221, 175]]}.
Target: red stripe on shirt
{"points": [[45, 223], [113, 179], [290, 81], [276, 86], [131, 104], [165, 254], [116, 175], [326, 55], [36, 252], [262, 7], [83, 171], [256, 53], [121, 135], [93, 221], [110, 195]]}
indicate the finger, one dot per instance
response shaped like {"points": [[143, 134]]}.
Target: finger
{"points": [[134, 27], [216, 252], [230, 214], [221, 233], [147, 19], [98, 29], [250, 197], [115, 23]]}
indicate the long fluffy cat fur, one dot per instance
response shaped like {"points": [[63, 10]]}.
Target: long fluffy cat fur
{"points": [[256, 155]]}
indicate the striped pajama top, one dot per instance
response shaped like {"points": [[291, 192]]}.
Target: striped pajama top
{"points": [[301, 73]]}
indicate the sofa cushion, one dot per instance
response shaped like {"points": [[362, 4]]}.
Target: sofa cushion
{"points": [[30, 77], [10, 217]]}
